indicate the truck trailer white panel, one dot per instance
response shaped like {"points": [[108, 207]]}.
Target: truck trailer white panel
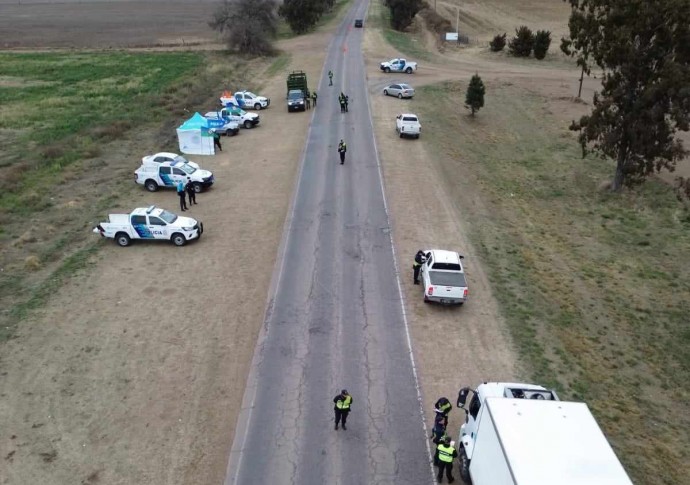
{"points": [[489, 464], [549, 442]]}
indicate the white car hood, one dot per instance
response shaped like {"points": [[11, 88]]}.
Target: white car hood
{"points": [[203, 174], [251, 116], [184, 222]]}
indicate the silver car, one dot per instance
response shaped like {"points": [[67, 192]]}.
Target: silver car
{"points": [[399, 90]]}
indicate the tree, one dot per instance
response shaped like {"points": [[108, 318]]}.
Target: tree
{"points": [[403, 11], [302, 15], [643, 50], [542, 42], [474, 99], [498, 43], [248, 26], [521, 45]]}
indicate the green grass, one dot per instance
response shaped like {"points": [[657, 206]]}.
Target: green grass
{"points": [[595, 286], [62, 106], [409, 44], [278, 65]]}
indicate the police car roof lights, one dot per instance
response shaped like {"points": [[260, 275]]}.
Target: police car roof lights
{"points": [[150, 209]]}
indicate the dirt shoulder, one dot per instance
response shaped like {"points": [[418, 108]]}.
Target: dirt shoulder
{"points": [[134, 371]]}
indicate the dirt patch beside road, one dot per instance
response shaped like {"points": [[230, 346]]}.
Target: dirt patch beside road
{"points": [[135, 371]]}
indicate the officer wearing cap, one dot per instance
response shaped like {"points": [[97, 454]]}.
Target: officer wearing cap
{"points": [[343, 402]]}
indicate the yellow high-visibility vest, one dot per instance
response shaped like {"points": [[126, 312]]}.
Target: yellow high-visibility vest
{"points": [[344, 404], [445, 453]]}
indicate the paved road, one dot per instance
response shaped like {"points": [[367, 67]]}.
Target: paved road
{"points": [[335, 319]]}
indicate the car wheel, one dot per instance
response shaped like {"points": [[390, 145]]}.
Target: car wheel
{"points": [[385, 92], [178, 239], [408, 70], [151, 185], [247, 124], [122, 239], [401, 134], [387, 70], [399, 95], [465, 467], [426, 300], [197, 187], [417, 136], [257, 106]]}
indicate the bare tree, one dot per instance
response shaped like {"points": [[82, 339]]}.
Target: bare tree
{"points": [[249, 26]]}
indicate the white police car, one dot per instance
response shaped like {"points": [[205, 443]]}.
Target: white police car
{"points": [[169, 174], [150, 223]]}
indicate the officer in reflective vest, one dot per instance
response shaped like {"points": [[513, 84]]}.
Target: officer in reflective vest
{"points": [[445, 454], [442, 408], [342, 401]]}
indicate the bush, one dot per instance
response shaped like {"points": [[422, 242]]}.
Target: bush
{"points": [[521, 45], [498, 43], [542, 41], [474, 98], [249, 26]]}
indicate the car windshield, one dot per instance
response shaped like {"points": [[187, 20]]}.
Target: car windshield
{"points": [[180, 158], [295, 94], [409, 118], [168, 217], [443, 278], [188, 169]]}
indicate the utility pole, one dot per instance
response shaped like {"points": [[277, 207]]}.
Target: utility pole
{"points": [[457, 23]]}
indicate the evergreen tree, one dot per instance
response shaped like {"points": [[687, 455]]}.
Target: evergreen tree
{"points": [[542, 42], [498, 43], [403, 11], [474, 98], [521, 45], [302, 15], [643, 50]]}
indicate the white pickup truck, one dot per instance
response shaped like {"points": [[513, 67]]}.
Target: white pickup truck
{"points": [[249, 100], [407, 124], [150, 223], [169, 174], [399, 65], [443, 277], [239, 116]]}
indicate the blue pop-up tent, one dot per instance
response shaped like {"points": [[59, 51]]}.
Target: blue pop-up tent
{"points": [[195, 137]]}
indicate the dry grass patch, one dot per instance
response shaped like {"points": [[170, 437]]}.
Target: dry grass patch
{"points": [[594, 285]]}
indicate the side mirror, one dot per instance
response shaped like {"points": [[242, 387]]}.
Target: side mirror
{"points": [[462, 397]]}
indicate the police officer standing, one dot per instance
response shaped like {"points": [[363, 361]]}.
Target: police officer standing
{"points": [[342, 148], [419, 260], [342, 402], [442, 408], [445, 454], [330, 78], [190, 191], [346, 100], [341, 100], [313, 98], [182, 195]]}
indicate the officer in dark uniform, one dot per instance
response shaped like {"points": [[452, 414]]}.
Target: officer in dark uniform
{"points": [[346, 100], [442, 408], [313, 98], [342, 148], [419, 260], [343, 402], [190, 191]]}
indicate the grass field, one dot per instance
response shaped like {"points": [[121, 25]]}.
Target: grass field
{"points": [[408, 43], [68, 125], [595, 286]]}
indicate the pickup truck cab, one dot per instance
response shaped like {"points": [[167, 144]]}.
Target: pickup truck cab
{"points": [[249, 100], [443, 277], [238, 115], [399, 65], [407, 124], [223, 126], [161, 157], [150, 223], [295, 100], [169, 174]]}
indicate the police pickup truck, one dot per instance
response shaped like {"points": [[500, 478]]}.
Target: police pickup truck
{"points": [[239, 116], [169, 174], [398, 65], [150, 223]]}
